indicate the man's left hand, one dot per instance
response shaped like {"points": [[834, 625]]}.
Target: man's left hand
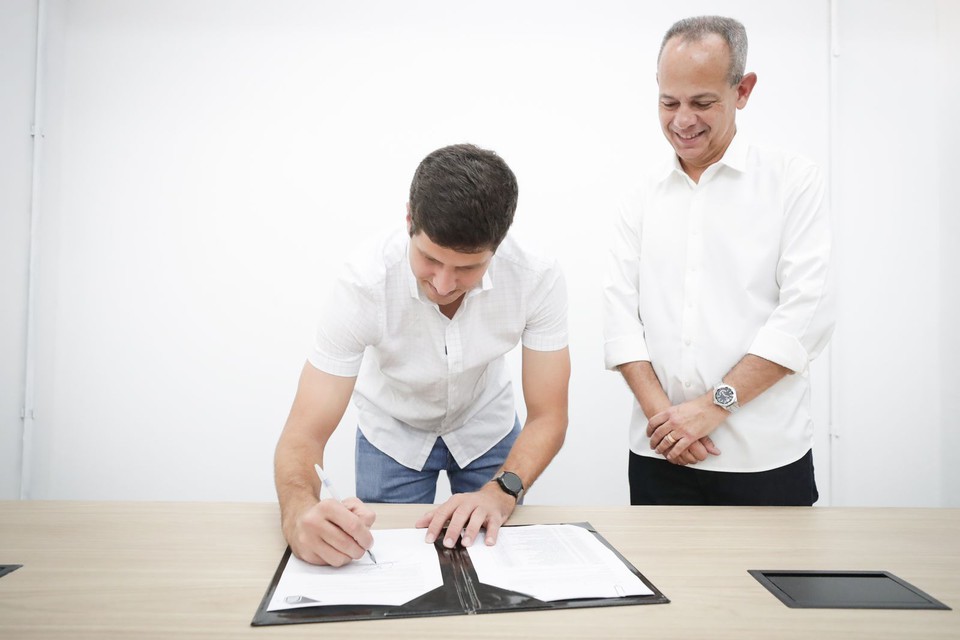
{"points": [[469, 512]]}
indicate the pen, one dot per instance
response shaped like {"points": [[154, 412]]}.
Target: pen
{"points": [[333, 493]]}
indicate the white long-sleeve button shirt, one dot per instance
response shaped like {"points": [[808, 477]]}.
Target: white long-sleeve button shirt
{"points": [[701, 274], [421, 375]]}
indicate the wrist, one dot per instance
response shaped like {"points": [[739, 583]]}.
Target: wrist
{"points": [[511, 484], [504, 501], [709, 408], [653, 409], [292, 512], [725, 397]]}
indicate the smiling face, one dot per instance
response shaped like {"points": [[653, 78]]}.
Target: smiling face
{"points": [[698, 105], [445, 275]]}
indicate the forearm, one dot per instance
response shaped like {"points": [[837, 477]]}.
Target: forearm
{"points": [[328, 532], [317, 409], [546, 382], [298, 487], [538, 443], [646, 387], [752, 376]]}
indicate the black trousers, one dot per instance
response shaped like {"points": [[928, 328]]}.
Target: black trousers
{"points": [[656, 481]]}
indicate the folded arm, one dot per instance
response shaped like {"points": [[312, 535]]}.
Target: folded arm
{"points": [[689, 422], [646, 387]]}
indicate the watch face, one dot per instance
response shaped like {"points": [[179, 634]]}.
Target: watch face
{"points": [[511, 482], [724, 396]]}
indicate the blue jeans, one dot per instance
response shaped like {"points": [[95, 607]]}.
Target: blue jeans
{"points": [[380, 478]]}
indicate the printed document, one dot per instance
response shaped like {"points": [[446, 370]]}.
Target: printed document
{"points": [[406, 568], [547, 562], [554, 562]]}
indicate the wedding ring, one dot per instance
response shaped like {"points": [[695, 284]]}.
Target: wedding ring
{"points": [[670, 439]]}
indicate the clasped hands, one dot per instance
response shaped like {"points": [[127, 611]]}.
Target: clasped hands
{"points": [[335, 533], [681, 433]]}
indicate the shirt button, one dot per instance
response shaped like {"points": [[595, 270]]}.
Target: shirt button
{"points": [[687, 384], [687, 342]]}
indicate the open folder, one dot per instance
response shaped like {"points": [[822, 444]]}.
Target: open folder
{"points": [[532, 567]]}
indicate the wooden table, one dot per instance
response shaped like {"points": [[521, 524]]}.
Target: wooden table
{"points": [[197, 570]]}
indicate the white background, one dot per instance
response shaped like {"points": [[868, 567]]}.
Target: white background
{"points": [[205, 166]]}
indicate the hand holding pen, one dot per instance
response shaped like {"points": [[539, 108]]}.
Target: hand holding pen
{"points": [[325, 479]]}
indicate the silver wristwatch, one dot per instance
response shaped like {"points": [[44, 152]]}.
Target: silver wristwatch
{"points": [[725, 396]]}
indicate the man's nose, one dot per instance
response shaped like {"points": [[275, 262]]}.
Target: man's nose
{"points": [[684, 117], [444, 281]]}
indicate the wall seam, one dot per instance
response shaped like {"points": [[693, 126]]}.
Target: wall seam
{"points": [[36, 131], [833, 427]]}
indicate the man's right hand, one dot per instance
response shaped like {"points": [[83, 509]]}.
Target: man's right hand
{"points": [[699, 451], [332, 533]]}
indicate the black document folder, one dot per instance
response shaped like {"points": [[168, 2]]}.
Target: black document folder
{"points": [[461, 593]]}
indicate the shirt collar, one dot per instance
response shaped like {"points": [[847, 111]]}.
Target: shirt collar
{"points": [[408, 272], [734, 157], [486, 283]]}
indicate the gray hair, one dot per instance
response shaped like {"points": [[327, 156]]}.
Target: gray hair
{"points": [[698, 28]]}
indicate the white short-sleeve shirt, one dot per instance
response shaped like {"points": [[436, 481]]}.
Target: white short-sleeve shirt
{"points": [[421, 375]]}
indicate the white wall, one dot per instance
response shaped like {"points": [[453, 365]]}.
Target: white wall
{"points": [[18, 28], [209, 164], [948, 127], [899, 289]]}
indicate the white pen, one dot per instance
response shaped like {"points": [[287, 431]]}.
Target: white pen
{"points": [[333, 494]]}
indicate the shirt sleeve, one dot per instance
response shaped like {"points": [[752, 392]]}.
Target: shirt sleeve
{"points": [[623, 332], [801, 324], [349, 321], [546, 327]]}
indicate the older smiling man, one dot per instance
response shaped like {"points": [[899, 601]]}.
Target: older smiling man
{"points": [[717, 293]]}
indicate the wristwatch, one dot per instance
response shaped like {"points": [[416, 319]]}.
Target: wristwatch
{"points": [[725, 396], [510, 483]]}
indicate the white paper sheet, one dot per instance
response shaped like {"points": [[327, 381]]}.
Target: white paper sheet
{"points": [[554, 562], [406, 568]]}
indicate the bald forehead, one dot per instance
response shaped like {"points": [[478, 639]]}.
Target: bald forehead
{"points": [[683, 49]]}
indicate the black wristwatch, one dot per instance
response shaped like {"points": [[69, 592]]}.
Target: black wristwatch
{"points": [[510, 483]]}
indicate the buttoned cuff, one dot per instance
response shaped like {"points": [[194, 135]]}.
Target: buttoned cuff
{"points": [[781, 348], [617, 351]]}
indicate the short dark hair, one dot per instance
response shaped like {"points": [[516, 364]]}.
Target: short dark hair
{"points": [[699, 27], [463, 197]]}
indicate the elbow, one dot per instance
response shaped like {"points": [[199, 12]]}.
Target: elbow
{"points": [[561, 435]]}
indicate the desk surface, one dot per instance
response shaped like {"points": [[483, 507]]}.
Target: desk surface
{"points": [[161, 570]]}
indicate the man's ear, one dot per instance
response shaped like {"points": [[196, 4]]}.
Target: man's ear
{"points": [[745, 88], [409, 219]]}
